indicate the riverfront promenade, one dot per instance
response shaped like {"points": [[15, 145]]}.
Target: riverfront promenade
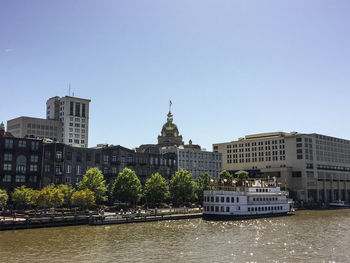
{"points": [[22, 221]]}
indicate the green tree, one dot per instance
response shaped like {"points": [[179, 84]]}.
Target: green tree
{"points": [[95, 182], [37, 199], [67, 191], [21, 196], [83, 198], [242, 176], [3, 198], [156, 189], [127, 187], [224, 178], [202, 184], [181, 186], [49, 196]]}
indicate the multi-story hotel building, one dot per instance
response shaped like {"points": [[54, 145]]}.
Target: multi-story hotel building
{"points": [[28, 127], [313, 167]]}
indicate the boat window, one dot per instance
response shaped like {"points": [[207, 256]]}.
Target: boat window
{"points": [[216, 209], [253, 199], [232, 199], [237, 199], [227, 209], [227, 199], [248, 209], [256, 209], [212, 208], [216, 199], [212, 198], [222, 199], [257, 190], [259, 208], [222, 209]]}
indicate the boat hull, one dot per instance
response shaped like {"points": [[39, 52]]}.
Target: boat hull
{"points": [[243, 217]]}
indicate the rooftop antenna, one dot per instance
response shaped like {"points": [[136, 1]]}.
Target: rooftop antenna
{"points": [[69, 90]]}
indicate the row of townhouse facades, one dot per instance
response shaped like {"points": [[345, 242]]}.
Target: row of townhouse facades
{"points": [[315, 168], [35, 163]]}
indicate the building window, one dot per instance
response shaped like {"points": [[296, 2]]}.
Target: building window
{"points": [[79, 156], [22, 143], [78, 169], [7, 167], [105, 158], [47, 168], [47, 155], [20, 179], [59, 156], [83, 110], [71, 108], [35, 146], [69, 169], [68, 180], [33, 178], [33, 167], [58, 169], [21, 164], [299, 156], [7, 178], [8, 157], [77, 110], [114, 170], [34, 158], [8, 143]]}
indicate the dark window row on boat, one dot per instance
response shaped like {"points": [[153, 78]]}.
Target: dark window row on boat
{"points": [[250, 209], [221, 199]]}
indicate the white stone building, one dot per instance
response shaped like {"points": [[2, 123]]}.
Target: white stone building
{"points": [[197, 161], [74, 114]]}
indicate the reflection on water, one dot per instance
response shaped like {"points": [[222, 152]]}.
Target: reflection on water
{"points": [[308, 236]]}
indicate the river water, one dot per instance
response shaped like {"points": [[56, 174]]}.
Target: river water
{"points": [[307, 236]]}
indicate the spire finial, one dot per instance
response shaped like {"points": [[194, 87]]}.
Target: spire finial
{"points": [[170, 103]]}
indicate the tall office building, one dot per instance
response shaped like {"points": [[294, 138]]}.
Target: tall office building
{"points": [[74, 114]]}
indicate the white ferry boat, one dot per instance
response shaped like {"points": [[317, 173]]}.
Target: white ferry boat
{"points": [[245, 202]]}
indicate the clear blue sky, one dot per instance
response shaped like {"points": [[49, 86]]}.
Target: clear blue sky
{"points": [[231, 68]]}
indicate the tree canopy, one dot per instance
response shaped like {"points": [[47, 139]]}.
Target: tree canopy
{"points": [[127, 187], [202, 184], [21, 196], [95, 182], [3, 198], [83, 198], [67, 191], [181, 186], [49, 196], [224, 178], [156, 189], [242, 176]]}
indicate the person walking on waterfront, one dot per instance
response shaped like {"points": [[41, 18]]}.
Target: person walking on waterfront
{"points": [[14, 216]]}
